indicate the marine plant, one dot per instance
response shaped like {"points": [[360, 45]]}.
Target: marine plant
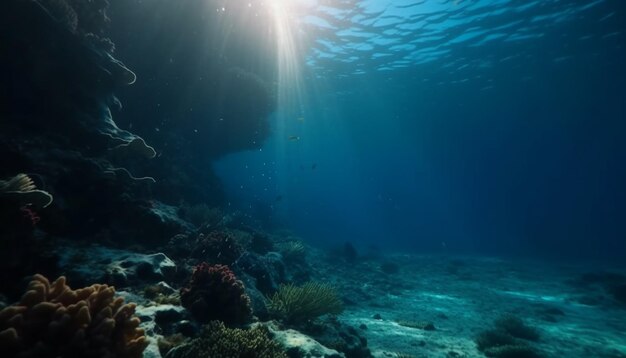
{"points": [[298, 304], [52, 320], [219, 341], [215, 293], [292, 250]]}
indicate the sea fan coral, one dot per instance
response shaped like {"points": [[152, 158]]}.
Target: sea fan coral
{"points": [[52, 320], [214, 293]]}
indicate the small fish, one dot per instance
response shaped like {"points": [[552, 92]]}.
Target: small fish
{"points": [[279, 197], [300, 119], [313, 166], [293, 138]]}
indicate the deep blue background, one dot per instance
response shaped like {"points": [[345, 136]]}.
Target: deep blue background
{"points": [[531, 162]]}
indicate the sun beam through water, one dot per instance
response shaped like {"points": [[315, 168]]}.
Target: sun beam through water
{"points": [[289, 59]]}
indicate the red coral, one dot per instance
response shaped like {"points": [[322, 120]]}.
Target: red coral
{"points": [[30, 215], [214, 293]]}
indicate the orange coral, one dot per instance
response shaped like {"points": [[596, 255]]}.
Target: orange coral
{"points": [[52, 320]]}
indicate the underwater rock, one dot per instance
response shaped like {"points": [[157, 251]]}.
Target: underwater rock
{"points": [[141, 268], [342, 337], [58, 93], [268, 270], [299, 345], [258, 300], [120, 267], [168, 217], [158, 321], [619, 293], [261, 276], [77, 79], [136, 146]]}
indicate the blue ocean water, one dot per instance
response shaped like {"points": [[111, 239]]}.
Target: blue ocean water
{"points": [[447, 126], [312, 178]]}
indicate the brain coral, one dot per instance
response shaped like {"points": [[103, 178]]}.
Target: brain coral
{"points": [[52, 320]]}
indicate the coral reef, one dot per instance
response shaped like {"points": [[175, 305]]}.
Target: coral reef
{"points": [[299, 304], [215, 293], [219, 341], [52, 320]]}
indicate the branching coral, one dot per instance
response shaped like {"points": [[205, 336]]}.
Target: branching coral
{"points": [[219, 341], [297, 304], [214, 293], [52, 320]]}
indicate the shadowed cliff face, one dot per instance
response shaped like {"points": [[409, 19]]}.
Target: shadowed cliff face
{"points": [[57, 109], [204, 76], [59, 105]]}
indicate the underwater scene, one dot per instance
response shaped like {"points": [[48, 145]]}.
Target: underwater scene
{"points": [[312, 178]]}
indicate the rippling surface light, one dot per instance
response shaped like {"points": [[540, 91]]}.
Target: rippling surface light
{"points": [[400, 97]]}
